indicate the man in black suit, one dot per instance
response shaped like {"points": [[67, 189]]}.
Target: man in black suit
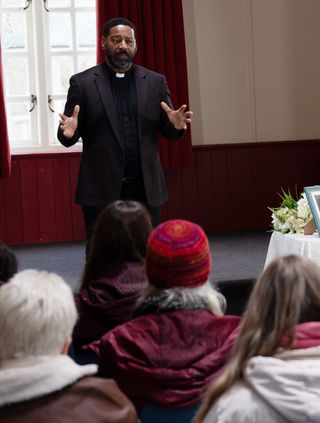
{"points": [[118, 109]]}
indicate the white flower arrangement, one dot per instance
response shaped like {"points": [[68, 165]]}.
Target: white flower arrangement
{"points": [[292, 215]]}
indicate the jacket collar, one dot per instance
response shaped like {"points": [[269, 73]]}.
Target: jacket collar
{"points": [[26, 379], [141, 87], [307, 335], [105, 93]]}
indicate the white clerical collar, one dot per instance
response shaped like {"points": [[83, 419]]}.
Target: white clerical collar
{"points": [[120, 75]]}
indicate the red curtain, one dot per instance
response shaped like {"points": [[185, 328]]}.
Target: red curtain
{"points": [[161, 47], [5, 158]]}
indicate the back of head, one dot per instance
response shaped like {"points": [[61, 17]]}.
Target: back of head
{"points": [[178, 264], [287, 293], [115, 22], [178, 255], [120, 235], [8, 263], [37, 315]]}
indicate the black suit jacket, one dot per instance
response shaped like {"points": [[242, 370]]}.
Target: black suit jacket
{"points": [[103, 155]]}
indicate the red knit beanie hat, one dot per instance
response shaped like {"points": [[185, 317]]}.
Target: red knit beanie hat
{"points": [[178, 255]]}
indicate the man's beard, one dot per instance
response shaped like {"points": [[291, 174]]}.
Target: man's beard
{"points": [[120, 60]]}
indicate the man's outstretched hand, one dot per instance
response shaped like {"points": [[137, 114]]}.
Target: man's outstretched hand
{"points": [[68, 125], [180, 117]]}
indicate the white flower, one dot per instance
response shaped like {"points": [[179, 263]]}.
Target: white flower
{"points": [[303, 209], [276, 222], [298, 225], [292, 220]]}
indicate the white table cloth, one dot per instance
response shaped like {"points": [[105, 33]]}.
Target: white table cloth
{"points": [[285, 244]]}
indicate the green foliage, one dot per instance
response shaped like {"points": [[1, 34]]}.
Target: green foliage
{"points": [[287, 200]]}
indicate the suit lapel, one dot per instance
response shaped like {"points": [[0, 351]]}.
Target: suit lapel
{"points": [[106, 96], [141, 87]]}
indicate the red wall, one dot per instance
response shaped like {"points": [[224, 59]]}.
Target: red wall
{"points": [[36, 202], [229, 188]]}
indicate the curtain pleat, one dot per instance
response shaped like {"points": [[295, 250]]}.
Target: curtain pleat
{"points": [[161, 47], [5, 157]]}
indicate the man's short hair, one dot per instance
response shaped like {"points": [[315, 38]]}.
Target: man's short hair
{"points": [[117, 21], [37, 314]]}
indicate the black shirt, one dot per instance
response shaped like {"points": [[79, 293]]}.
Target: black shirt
{"points": [[125, 96]]}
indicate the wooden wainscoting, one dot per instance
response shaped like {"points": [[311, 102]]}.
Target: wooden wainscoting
{"points": [[36, 203], [229, 188]]}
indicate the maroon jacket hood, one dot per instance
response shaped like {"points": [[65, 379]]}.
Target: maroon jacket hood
{"points": [[108, 301], [168, 358]]}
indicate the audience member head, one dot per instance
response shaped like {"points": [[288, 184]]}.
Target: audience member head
{"points": [[286, 294], [37, 315], [8, 263], [120, 235], [178, 264]]}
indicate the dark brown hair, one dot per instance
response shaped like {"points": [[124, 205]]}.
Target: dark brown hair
{"points": [[8, 263], [120, 235], [286, 294]]}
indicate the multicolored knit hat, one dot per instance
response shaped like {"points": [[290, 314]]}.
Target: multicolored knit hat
{"points": [[178, 255]]}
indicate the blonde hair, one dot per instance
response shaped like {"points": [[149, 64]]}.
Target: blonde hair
{"points": [[286, 294], [37, 314]]}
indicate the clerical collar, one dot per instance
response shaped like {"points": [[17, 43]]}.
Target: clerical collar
{"points": [[119, 74]]}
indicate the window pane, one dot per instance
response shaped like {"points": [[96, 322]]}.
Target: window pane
{"points": [[67, 38], [58, 3], [16, 74], [13, 3], [19, 123], [14, 31], [60, 31], [85, 62], [62, 69], [86, 30], [85, 3]]}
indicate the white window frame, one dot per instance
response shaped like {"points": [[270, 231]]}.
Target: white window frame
{"points": [[40, 80]]}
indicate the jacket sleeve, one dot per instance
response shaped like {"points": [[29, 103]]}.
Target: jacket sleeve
{"points": [[120, 359], [166, 127], [74, 98]]}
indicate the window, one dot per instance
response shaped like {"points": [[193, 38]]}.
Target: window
{"points": [[43, 43]]}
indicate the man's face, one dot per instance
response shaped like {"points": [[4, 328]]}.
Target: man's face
{"points": [[120, 46]]}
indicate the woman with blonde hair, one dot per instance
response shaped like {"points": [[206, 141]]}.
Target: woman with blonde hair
{"points": [[273, 374]]}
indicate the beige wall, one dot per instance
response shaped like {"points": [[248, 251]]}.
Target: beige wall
{"points": [[253, 69]]}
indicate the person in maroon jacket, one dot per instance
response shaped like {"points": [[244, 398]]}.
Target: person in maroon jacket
{"points": [[114, 274], [179, 339]]}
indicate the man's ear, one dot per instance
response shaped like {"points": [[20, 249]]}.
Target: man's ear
{"points": [[103, 42]]}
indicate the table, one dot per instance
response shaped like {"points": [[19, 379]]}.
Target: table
{"points": [[285, 244]]}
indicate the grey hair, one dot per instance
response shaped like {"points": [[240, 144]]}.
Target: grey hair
{"points": [[202, 297], [37, 315]]}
